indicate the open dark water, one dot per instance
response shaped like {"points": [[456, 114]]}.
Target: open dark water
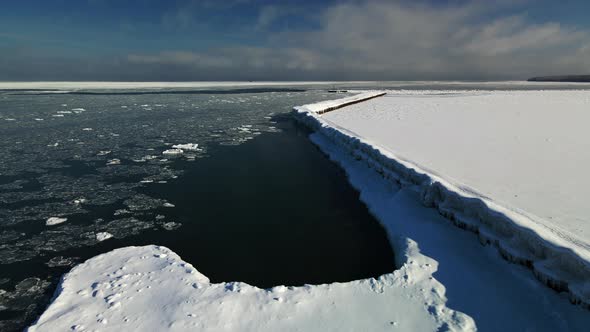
{"points": [[258, 202]]}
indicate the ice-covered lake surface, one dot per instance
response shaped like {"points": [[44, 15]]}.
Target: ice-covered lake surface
{"points": [[219, 176], [446, 279], [525, 150]]}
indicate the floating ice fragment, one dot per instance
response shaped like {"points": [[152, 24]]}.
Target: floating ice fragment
{"points": [[173, 152], [87, 129], [38, 119], [80, 201], [168, 205], [103, 153], [55, 220], [102, 236], [187, 146], [121, 211], [114, 162], [169, 226], [58, 115], [61, 261], [78, 109]]}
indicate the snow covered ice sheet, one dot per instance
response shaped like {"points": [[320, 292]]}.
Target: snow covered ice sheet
{"points": [[525, 150], [557, 257], [507, 165], [151, 289]]}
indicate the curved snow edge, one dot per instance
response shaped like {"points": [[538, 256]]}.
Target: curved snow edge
{"points": [[152, 288], [557, 263]]}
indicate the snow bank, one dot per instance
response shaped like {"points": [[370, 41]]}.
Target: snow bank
{"points": [[560, 261], [151, 289]]}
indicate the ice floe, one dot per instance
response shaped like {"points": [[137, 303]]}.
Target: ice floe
{"points": [[55, 221], [171, 225], [173, 152], [187, 147], [102, 236]]}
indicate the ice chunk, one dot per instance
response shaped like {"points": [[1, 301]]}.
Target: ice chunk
{"points": [[80, 201], [187, 146], [169, 226], [172, 152], [102, 236], [55, 221]]}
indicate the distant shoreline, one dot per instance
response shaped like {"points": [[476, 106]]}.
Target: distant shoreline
{"points": [[562, 78]]}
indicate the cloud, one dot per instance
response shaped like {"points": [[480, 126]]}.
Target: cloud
{"points": [[385, 40], [377, 41], [269, 14]]}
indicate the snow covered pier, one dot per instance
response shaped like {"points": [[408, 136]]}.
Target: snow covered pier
{"points": [[350, 101], [509, 166]]}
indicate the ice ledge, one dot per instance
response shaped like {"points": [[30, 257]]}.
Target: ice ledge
{"points": [[558, 261], [151, 288]]}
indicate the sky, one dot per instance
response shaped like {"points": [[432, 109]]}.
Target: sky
{"points": [[208, 40]]}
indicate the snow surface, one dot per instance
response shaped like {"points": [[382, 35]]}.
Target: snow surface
{"points": [[466, 130], [526, 150], [151, 289], [499, 296]]}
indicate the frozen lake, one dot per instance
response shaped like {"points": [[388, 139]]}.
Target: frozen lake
{"points": [[525, 150], [84, 173]]}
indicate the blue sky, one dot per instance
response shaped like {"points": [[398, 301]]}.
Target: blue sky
{"points": [[291, 40]]}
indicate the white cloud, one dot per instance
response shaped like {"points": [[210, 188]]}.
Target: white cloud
{"points": [[387, 40], [391, 40]]}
